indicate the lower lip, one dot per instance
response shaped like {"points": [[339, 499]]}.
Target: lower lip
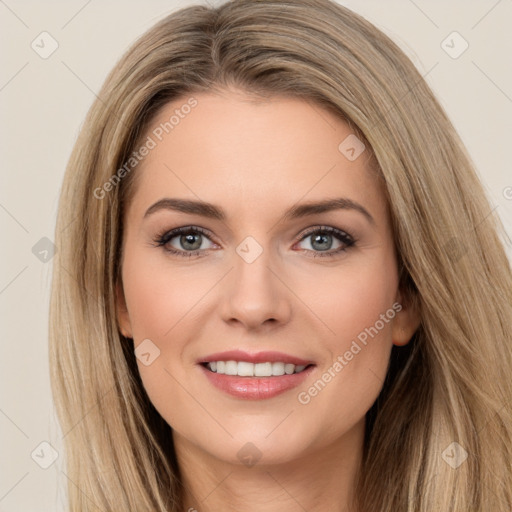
{"points": [[256, 388]]}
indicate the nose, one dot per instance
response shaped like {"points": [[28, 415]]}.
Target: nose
{"points": [[256, 295]]}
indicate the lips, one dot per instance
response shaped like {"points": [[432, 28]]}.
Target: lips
{"points": [[257, 357], [272, 373]]}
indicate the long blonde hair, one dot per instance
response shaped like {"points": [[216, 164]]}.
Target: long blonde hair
{"points": [[451, 384]]}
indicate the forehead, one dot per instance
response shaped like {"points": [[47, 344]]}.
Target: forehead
{"points": [[232, 149]]}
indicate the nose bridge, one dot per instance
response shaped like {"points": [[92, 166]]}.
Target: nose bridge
{"points": [[253, 269], [255, 294]]}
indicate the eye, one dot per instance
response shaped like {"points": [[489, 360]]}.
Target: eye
{"points": [[190, 241], [190, 238], [322, 240]]}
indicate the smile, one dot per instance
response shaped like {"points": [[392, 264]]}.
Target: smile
{"points": [[255, 381], [246, 369]]}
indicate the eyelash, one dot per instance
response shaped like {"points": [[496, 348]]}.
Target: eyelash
{"points": [[164, 238]]}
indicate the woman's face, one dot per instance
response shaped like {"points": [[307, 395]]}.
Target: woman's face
{"points": [[263, 274]]}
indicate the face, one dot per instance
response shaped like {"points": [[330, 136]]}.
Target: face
{"points": [[286, 286]]}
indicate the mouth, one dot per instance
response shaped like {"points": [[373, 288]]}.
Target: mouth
{"points": [[255, 376], [247, 369]]}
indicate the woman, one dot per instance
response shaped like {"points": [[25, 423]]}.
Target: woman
{"points": [[284, 287]]}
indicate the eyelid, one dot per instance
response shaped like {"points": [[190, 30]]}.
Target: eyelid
{"points": [[169, 234], [324, 229]]}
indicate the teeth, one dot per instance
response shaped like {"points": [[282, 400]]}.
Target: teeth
{"points": [[263, 370], [231, 368], [277, 368], [245, 369]]}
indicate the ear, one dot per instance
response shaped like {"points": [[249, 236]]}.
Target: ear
{"points": [[123, 318], [407, 319]]}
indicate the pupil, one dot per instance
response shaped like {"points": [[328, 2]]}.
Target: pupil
{"points": [[189, 239], [324, 237]]}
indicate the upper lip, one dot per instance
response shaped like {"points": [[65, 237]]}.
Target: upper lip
{"points": [[256, 357]]}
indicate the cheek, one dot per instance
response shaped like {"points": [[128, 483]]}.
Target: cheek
{"points": [[357, 307], [157, 303], [353, 299], [163, 304], [156, 298]]}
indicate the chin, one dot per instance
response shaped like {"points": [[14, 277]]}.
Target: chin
{"points": [[263, 445]]}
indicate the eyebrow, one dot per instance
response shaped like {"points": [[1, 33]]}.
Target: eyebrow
{"points": [[211, 211]]}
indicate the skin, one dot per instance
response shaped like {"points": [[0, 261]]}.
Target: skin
{"points": [[255, 159]]}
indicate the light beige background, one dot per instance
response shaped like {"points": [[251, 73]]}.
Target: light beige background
{"points": [[43, 103]]}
